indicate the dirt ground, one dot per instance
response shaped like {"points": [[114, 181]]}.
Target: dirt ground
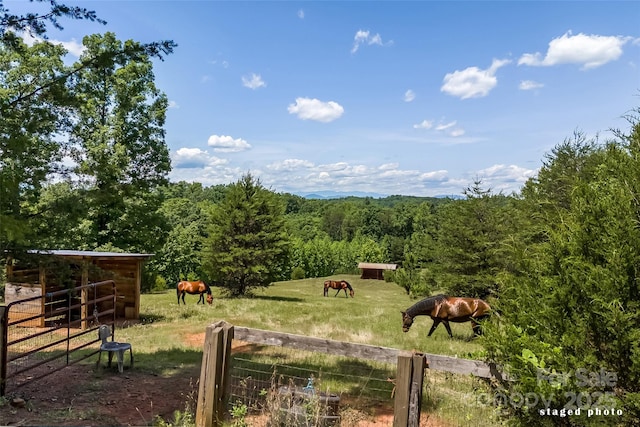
{"points": [[81, 395]]}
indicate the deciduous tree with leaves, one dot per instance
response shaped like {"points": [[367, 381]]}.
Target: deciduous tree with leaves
{"points": [[117, 142], [40, 99]]}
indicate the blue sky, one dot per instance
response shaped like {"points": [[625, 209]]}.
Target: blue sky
{"points": [[414, 98]]}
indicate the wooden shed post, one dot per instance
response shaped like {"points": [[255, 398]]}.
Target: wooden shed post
{"points": [[9, 268], [214, 373], [42, 278], [138, 286], [84, 299]]}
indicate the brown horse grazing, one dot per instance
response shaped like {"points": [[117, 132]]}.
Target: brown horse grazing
{"points": [[445, 309], [339, 285], [198, 287]]}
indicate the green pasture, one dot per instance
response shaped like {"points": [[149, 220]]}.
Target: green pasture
{"points": [[298, 307], [168, 341], [164, 338]]}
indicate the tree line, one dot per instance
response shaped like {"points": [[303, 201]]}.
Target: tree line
{"points": [[84, 165]]}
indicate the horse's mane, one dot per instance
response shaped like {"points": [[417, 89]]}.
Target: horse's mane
{"points": [[348, 285], [426, 305]]}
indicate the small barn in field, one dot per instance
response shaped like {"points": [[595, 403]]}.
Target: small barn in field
{"points": [[372, 270], [40, 272]]}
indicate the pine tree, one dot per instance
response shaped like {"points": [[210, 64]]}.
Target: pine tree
{"points": [[247, 245], [572, 308], [470, 234]]}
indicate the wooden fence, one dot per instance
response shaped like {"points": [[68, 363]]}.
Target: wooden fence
{"points": [[214, 376]]}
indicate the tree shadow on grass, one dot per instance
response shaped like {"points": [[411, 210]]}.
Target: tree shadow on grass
{"points": [[365, 379], [146, 318], [276, 298]]}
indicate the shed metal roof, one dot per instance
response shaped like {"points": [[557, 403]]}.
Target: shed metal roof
{"points": [[89, 254], [376, 266]]}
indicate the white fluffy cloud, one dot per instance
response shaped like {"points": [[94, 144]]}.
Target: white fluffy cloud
{"points": [[254, 81], [529, 85], [304, 176], [74, 47], [290, 165], [425, 124], [188, 158], [448, 128], [227, 144], [503, 177], [445, 126], [473, 82], [409, 96], [590, 51], [440, 175], [365, 37], [314, 109]]}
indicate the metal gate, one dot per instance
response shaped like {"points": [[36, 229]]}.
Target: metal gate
{"points": [[43, 334]]}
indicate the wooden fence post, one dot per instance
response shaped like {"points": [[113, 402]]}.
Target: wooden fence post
{"points": [[408, 395], [403, 390], [225, 380], [214, 373], [415, 397]]}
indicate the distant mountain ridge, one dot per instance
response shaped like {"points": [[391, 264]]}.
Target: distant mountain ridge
{"points": [[341, 194], [328, 194]]}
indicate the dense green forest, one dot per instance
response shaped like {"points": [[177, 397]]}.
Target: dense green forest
{"points": [[84, 166]]}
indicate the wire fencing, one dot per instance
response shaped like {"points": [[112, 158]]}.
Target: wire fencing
{"points": [[275, 379], [274, 383]]}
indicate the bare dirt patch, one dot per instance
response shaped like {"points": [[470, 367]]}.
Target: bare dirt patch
{"points": [[83, 395]]}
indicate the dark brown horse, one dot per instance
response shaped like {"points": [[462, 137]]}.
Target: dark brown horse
{"points": [[339, 285], [445, 309], [193, 288]]}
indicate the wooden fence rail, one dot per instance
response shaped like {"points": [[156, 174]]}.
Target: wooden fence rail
{"points": [[363, 351]]}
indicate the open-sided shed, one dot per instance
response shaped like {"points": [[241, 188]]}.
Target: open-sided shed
{"points": [[372, 270], [49, 271]]}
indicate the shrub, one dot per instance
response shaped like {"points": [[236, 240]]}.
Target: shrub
{"points": [[297, 273]]}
